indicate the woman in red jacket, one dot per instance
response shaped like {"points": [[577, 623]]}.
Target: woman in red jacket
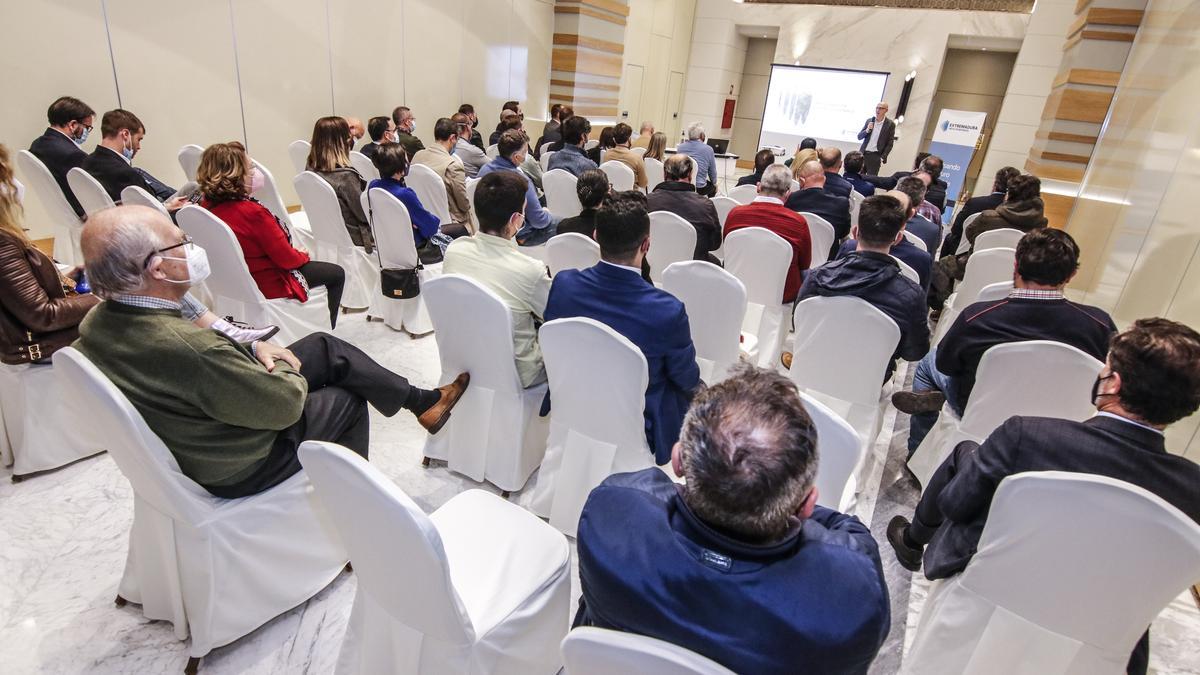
{"points": [[280, 268]]}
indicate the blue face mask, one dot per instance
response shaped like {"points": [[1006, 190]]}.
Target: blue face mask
{"points": [[82, 137], [127, 153]]}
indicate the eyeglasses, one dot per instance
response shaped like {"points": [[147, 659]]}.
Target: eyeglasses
{"points": [[186, 240]]}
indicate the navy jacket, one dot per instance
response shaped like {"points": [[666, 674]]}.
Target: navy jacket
{"points": [[926, 231], [814, 602], [831, 207], [876, 278], [1101, 445], [60, 154], [862, 185], [113, 172], [650, 318], [914, 257], [836, 185], [974, 205]]}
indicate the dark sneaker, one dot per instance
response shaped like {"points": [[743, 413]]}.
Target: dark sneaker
{"points": [[909, 557], [913, 402]]}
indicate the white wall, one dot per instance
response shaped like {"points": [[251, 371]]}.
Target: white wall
{"points": [[863, 38], [658, 40], [177, 68]]}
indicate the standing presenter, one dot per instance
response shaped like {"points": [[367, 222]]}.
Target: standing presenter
{"points": [[876, 136]]}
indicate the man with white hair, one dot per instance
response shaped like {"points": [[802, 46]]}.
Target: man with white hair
{"points": [[706, 160], [232, 414], [767, 211], [644, 134]]}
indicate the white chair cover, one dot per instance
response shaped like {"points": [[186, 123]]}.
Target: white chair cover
{"points": [[822, 235], [715, 301], [40, 428], [545, 147], [760, 259], [908, 271], [672, 240], [236, 292], [297, 223], [620, 176], [983, 269], [493, 151], [479, 586], [915, 240], [598, 379], [1071, 593], [134, 195], [397, 249], [1005, 237], [841, 452], [639, 151], [963, 244], [743, 194], [1036, 377], [431, 191], [723, 205], [795, 185], [544, 160], [298, 153], [571, 251], [91, 194], [364, 166], [333, 242], [561, 198], [599, 651], [189, 160], [471, 185], [655, 173], [495, 433], [67, 225], [215, 568], [591, 144], [996, 291]]}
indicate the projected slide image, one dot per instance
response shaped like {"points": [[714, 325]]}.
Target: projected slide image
{"points": [[828, 105]]}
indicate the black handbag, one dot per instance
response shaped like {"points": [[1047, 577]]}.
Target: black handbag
{"points": [[400, 283]]}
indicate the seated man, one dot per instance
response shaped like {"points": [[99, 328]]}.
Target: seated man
{"points": [[572, 158], [644, 134], [812, 198], [624, 154], [927, 209], [232, 414], [676, 194], [853, 172], [382, 131], [831, 160], [406, 126], [121, 134], [1035, 310], [473, 158], [978, 205], [767, 211], [870, 273], [739, 564], [58, 147], [905, 250], [491, 258], [1150, 381], [552, 133], [930, 164], [539, 224], [762, 160], [614, 293], [697, 148], [476, 138], [437, 156], [926, 230]]}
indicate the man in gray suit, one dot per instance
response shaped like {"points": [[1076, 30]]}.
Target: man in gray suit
{"points": [[877, 135]]}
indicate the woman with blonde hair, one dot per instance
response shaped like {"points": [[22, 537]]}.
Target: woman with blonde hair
{"points": [[657, 146], [280, 268], [330, 158]]}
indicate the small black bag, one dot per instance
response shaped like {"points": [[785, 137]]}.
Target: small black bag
{"points": [[399, 283]]}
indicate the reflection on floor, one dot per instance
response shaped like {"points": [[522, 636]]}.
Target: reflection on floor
{"points": [[63, 539]]}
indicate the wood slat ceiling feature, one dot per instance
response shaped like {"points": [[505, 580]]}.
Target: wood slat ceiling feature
{"points": [[1016, 6]]}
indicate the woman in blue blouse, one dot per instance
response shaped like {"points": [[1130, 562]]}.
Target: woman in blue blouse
{"points": [[392, 162]]}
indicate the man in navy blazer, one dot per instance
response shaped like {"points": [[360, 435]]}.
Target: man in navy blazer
{"points": [[1150, 381], [615, 294], [58, 147], [812, 198], [831, 162], [740, 564]]}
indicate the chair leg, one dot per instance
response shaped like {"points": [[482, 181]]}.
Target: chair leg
{"points": [[505, 494], [425, 462], [350, 567], [192, 666], [17, 478], [121, 602]]}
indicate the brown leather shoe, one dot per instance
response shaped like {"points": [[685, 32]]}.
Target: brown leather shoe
{"points": [[915, 402], [786, 359], [435, 418]]}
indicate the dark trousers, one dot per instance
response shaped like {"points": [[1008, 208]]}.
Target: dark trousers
{"points": [[928, 518], [342, 380], [332, 277], [709, 190], [871, 163]]}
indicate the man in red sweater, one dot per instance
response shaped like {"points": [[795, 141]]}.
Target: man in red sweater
{"points": [[767, 211]]}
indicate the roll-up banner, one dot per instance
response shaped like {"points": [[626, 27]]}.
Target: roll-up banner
{"points": [[954, 141]]}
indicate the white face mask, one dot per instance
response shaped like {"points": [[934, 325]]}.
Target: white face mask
{"points": [[197, 265]]}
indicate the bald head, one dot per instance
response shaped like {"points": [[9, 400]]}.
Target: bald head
{"points": [[830, 158], [116, 244], [356, 127], [811, 174], [678, 167]]}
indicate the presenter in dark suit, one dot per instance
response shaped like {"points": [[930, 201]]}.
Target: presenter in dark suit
{"points": [[615, 294], [812, 198], [58, 148], [740, 564], [877, 135], [121, 134], [1149, 382]]}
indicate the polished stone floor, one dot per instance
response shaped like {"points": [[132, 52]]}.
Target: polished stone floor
{"points": [[63, 538]]}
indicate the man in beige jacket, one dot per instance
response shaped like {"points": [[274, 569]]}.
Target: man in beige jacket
{"points": [[623, 154], [437, 157]]}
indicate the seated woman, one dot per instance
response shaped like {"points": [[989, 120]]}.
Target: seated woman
{"points": [[657, 146], [280, 268], [392, 162], [592, 187], [330, 158]]}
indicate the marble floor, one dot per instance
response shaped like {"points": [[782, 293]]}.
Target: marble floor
{"points": [[63, 539]]}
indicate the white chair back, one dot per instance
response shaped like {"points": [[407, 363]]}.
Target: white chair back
{"points": [[189, 160], [324, 213], [473, 328], [639, 151], [1033, 598], [908, 271], [996, 291], [795, 185], [364, 166], [724, 205], [915, 240], [983, 269], [392, 227], [561, 198], [963, 244], [544, 149], [472, 183], [841, 450], [743, 194], [230, 276], [620, 176], [571, 251], [544, 160], [389, 537], [591, 144], [134, 195], [1005, 237], [760, 259], [842, 348], [67, 225], [715, 301], [269, 195], [598, 651], [655, 173], [821, 234], [91, 194], [430, 189], [856, 200], [672, 240], [298, 153], [493, 151]]}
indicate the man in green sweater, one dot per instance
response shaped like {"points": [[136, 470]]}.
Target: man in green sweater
{"points": [[232, 414]]}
